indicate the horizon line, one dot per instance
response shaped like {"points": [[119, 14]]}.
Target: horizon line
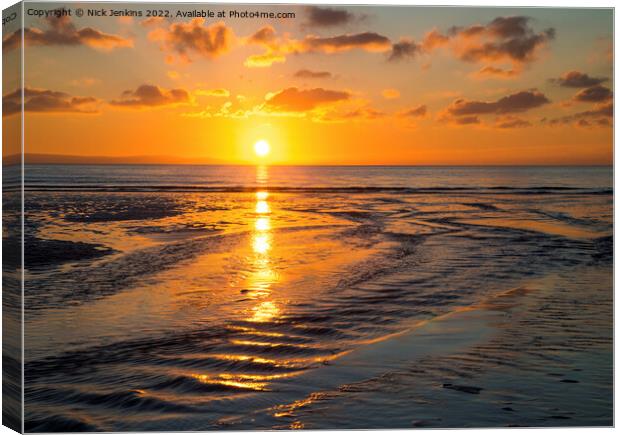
{"points": [[160, 160]]}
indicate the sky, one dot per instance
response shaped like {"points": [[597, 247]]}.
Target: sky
{"points": [[331, 85]]}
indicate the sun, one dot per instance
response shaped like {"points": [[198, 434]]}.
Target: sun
{"points": [[262, 148]]}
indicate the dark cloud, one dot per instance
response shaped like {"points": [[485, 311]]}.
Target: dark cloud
{"points": [[296, 100], [364, 113], [47, 101], [504, 38], [416, 112], [511, 122], [62, 31], [307, 74], [434, 39], [594, 94], [266, 35], [491, 71], [278, 47], [404, 49], [325, 17], [152, 96], [519, 102], [193, 37], [576, 79], [466, 120], [600, 115], [369, 41], [360, 114]]}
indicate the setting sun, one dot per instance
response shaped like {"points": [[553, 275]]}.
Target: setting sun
{"points": [[262, 148]]}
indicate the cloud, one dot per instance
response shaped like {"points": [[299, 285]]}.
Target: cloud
{"points": [[368, 41], [61, 31], [404, 49], [415, 112], [390, 94], [266, 35], [278, 47], [504, 38], [296, 100], [465, 120], [433, 40], [152, 96], [463, 111], [491, 71], [308, 74], [263, 60], [213, 92], [508, 122], [576, 79], [359, 114], [594, 94], [601, 115], [47, 101], [325, 17], [514, 103], [181, 40]]}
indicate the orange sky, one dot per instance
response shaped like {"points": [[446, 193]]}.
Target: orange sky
{"points": [[334, 85]]}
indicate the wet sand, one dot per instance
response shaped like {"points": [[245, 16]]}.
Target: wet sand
{"points": [[532, 356], [335, 307]]}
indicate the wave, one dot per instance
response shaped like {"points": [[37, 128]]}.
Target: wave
{"points": [[314, 189]]}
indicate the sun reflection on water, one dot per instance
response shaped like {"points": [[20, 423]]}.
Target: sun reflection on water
{"points": [[262, 207], [265, 312], [260, 243], [263, 275], [262, 224]]}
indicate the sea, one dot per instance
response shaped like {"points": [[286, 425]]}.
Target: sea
{"points": [[179, 297]]}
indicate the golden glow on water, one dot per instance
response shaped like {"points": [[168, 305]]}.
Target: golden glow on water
{"points": [[259, 360], [286, 410], [262, 207], [228, 380], [259, 290], [260, 244], [263, 275], [262, 224], [256, 331], [265, 312], [262, 174]]}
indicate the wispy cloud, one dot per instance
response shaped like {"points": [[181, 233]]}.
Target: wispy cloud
{"points": [[464, 111], [576, 79], [414, 112], [318, 16], [301, 100], [145, 96], [181, 41], [509, 40], [62, 31], [277, 47], [594, 94], [47, 101], [308, 74]]}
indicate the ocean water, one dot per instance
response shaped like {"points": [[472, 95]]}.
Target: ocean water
{"points": [[221, 297]]}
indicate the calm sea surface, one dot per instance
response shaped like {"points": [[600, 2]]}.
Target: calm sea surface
{"points": [[238, 297]]}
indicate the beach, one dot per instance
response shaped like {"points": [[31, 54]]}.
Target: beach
{"points": [[220, 297]]}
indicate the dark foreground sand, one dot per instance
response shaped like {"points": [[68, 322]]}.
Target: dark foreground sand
{"points": [[537, 355]]}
